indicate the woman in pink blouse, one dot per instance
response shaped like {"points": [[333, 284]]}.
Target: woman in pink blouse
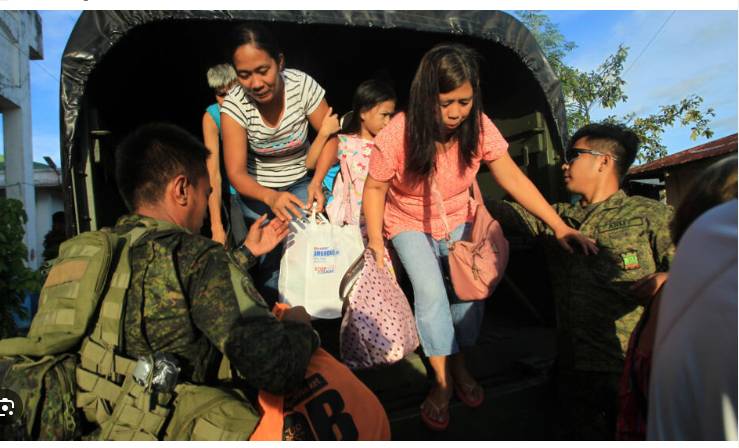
{"points": [[444, 135]]}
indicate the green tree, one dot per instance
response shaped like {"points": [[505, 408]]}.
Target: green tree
{"points": [[605, 87], [16, 279]]}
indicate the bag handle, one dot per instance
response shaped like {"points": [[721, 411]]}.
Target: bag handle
{"points": [[436, 194], [351, 273], [313, 217], [476, 192], [476, 195]]}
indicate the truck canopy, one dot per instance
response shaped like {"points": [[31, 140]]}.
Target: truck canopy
{"points": [[121, 69], [124, 68]]}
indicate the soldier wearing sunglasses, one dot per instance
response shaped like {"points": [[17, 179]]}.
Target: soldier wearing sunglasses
{"points": [[599, 298]]}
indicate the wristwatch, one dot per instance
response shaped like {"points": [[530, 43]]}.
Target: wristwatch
{"points": [[245, 250]]}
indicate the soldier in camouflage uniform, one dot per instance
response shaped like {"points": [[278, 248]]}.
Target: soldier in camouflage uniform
{"points": [[181, 298], [599, 298]]}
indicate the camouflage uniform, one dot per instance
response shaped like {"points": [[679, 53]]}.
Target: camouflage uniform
{"points": [[596, 312], [181, 301]]}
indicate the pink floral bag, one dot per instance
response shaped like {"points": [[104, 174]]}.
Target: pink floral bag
{"points": [[378, 327]]}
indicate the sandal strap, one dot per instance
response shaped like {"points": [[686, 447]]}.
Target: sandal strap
{"points": [[436, 408], [468, 387]]}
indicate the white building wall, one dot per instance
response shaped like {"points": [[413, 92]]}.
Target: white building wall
{"points": [[20, 41], [49, 199]]}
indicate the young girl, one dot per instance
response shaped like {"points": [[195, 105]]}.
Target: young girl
{"points": [[372, 106], [444, 136]]}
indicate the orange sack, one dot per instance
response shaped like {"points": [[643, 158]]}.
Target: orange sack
{"points": [[331, 404]]}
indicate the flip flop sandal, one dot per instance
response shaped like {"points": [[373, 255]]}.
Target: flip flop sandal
{"points": [[428, 418], [466, 392]]}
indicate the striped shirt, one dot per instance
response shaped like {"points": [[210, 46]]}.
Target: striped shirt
{"points": [[276, 155]]}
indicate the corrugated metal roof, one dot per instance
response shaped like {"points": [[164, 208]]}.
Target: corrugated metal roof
{"points": [[711, 149]]}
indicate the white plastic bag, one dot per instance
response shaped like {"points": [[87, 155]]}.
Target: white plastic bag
{"points": [[317, 255]]}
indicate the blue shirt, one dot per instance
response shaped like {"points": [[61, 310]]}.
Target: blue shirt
{"points": [[328, 180], [215, 113]]}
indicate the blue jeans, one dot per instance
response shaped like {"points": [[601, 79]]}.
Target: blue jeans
{"points": [[444, 322], [267, 270]]}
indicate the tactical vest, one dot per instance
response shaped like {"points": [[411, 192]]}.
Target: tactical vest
{"points": [[88, 283]]}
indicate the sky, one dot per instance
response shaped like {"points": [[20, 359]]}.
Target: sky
{"points": [[672, 54]]}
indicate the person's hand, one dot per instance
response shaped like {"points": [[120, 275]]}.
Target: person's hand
{"points": [[315, 194], [218, 234], [285, 205], [330, 124], [296, 314], [262, 239], [648, 286], [567, 237], [378, 250]]}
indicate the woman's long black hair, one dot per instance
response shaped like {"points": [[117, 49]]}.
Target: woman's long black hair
{"points": [[368, 94], [442, 69]]}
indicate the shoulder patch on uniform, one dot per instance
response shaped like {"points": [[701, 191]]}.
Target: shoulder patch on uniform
{"points": [[631, 260], [621, 224]]}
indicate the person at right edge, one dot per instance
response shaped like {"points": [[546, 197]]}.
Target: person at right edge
{"points": [[692, 389], [442, 140], [598, 299]]}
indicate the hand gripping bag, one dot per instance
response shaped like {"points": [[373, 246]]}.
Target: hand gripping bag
{"points": [[317, 254], [378, 327]]}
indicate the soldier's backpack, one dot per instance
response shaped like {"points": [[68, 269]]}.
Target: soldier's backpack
{"points": [[86, 290], [40, 366]]}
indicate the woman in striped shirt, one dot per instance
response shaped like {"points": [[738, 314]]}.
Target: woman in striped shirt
{"points": [[264, 121]]}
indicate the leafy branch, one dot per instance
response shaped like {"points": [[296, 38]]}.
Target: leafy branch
{"points": [[605, 87]]}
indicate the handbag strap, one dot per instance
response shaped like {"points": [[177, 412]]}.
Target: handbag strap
{"points": [[347, 186], [476, 195], [350, 277], [476, 192]]}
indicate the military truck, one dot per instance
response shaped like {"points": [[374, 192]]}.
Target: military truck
{"points": [[121, 69]]}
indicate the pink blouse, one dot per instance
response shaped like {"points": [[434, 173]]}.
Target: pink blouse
{"points": [[410, 207]]}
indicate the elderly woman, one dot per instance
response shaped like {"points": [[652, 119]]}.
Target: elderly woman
{"points": [[220, 78]]}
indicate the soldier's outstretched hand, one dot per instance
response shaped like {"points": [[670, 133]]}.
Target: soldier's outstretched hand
{"points": [[263, 238]]}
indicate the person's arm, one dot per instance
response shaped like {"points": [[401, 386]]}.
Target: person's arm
{"points": [[663, 250], [383, 167], [269, 354], [516, 219], [326, 158], [329, 126], [283, 204], [210, 139], [647, 287], [512, 180], [373, 206]]}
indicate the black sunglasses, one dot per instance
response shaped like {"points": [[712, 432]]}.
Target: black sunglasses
{"points": [[573, 153], [222, 93]]}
